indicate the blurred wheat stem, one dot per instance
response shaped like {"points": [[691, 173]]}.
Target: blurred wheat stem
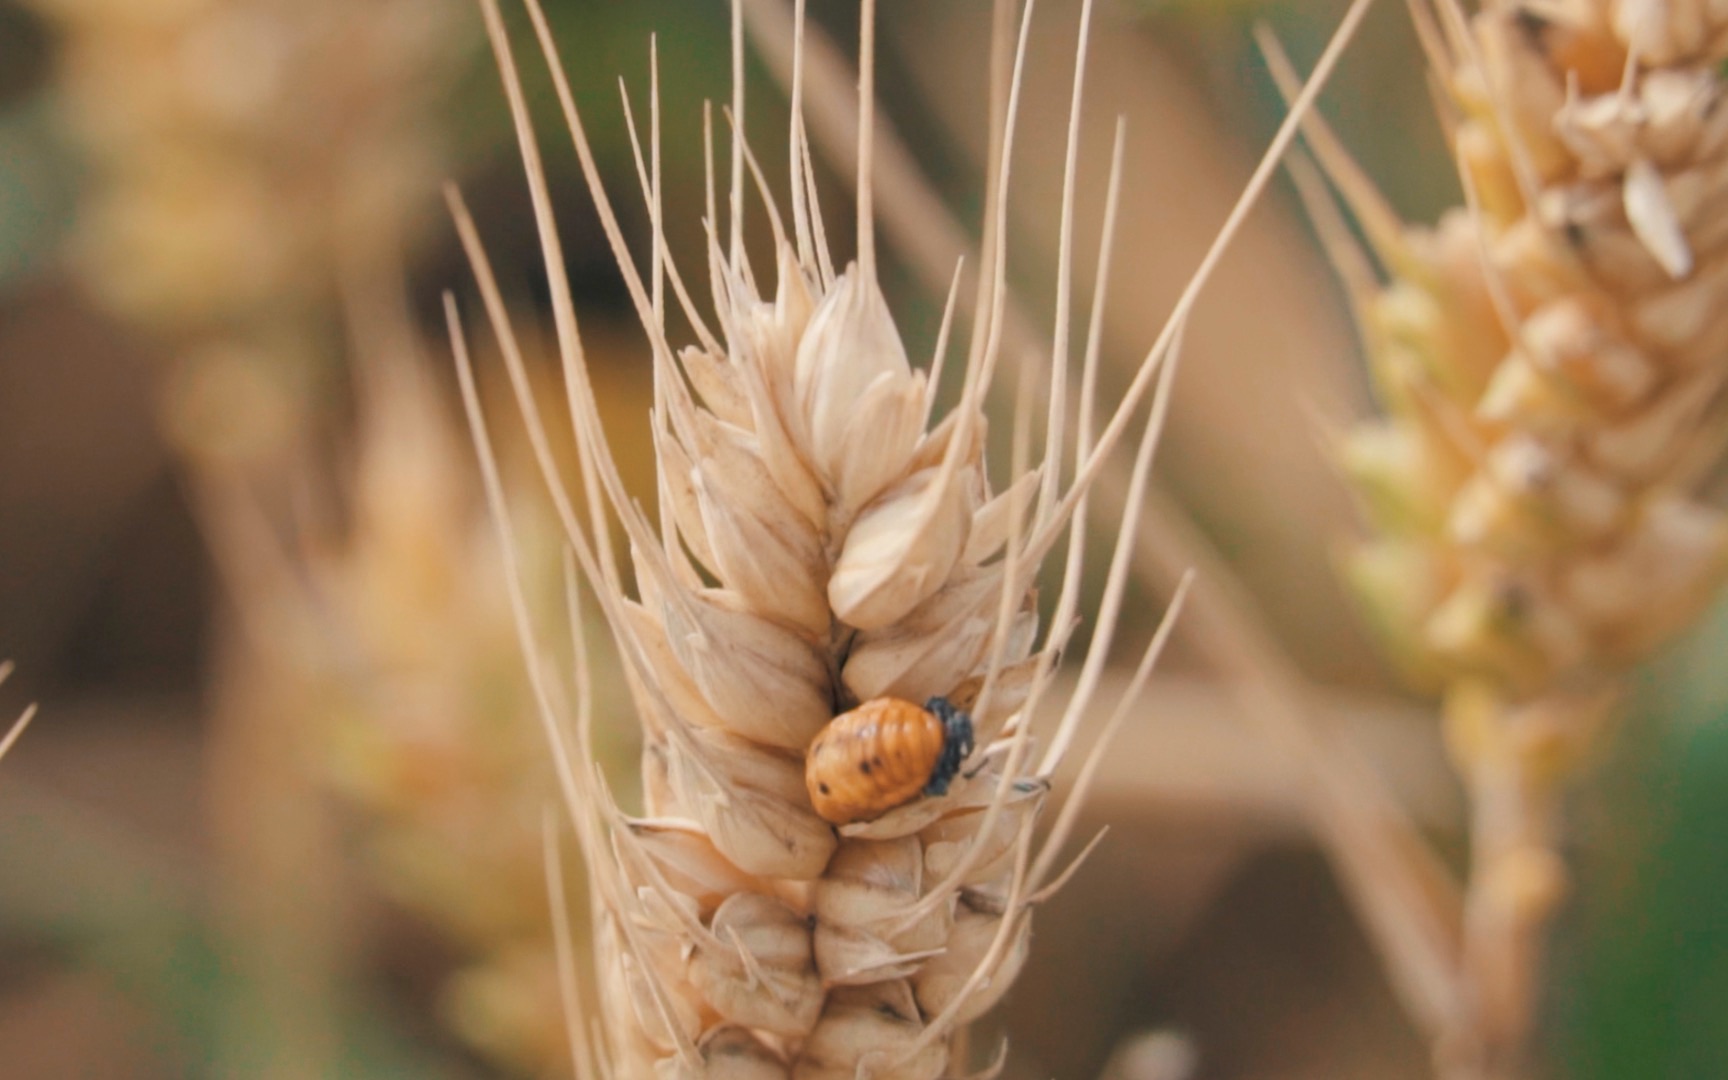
{"points": [[1550, 359], [1405, 895], [238, 152], [16, 731]]}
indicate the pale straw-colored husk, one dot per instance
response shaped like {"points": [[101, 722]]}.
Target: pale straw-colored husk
{"points": [[822, 542], [1551, 360]]}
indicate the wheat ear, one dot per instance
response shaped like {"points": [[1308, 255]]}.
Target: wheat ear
{"points": [[1550, 357], [859, 553]]}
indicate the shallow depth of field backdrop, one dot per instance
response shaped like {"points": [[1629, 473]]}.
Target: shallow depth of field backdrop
{"points": [[279, 814]]}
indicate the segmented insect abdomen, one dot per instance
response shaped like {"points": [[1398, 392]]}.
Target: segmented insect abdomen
{"points": [[872, 759]]}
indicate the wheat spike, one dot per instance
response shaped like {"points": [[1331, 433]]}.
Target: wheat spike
{"points": [[1550, 361], [822, 543], [861, 555]]}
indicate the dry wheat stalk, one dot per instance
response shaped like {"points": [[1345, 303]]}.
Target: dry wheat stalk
{"points": [[244, 155], [820, 544], [16, 731], [1551, 358]]}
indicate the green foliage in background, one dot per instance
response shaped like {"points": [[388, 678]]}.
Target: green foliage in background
{"points": [[1643, 976], [36, 171], [602, 42], [109, 906]]}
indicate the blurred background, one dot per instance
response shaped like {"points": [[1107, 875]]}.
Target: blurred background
{"points": [[280, 815]]}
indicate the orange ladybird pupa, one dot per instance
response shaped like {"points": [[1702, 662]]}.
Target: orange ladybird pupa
{"points": [[884, 753]]}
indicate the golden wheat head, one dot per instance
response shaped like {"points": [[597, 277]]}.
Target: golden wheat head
{"points": [[825, 539]]}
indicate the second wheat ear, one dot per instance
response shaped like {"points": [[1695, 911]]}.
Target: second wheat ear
{"points": [[821, 544], [1550, 360]]}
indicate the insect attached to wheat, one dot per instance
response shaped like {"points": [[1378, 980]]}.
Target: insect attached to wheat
{"points": [[884, 753]]}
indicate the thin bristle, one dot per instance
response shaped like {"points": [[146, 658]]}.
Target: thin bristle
{"points": [[988, 344], [1066, 820], [1117, 581], [593, 465], [795, 140], [664, 267], [1068, 598], [866, 138], [775, 225], [569, 982], [1350, 261], [1227, 232], [735, 247], [1058, 411], [496, 312], [1379, 222], [818, 227], [657, 220], [562, 755], [1432, 38], [16, 731], [939, 353]]}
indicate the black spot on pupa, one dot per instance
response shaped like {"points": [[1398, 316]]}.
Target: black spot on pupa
{"points": [[822, 788], [864, 767], [1515, 601]]}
